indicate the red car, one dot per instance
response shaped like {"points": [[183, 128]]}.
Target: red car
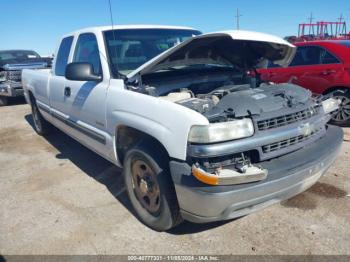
{"points": [[322, 67]]}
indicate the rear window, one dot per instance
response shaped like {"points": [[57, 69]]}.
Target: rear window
{"points": [[62, 56]]}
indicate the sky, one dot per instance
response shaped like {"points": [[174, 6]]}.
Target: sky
{"points": [[38, 24]]}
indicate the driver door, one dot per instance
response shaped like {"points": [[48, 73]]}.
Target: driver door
{"points": [[87, 99]]}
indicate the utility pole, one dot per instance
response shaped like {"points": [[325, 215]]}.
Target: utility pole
{"points": [[311, 19], [341, 18], [339, 25], [238, 15]]}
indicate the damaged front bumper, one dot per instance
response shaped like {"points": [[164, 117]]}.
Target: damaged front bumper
{"points": [[288, 175], [229, 176]]}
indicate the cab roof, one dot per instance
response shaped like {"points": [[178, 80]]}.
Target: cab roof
{"points": [[121, 27]]}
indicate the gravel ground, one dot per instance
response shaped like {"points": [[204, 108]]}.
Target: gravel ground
{"points": [[57, 197]]}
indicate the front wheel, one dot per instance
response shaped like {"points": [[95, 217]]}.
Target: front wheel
{"points": [[151, 190], [342, 116]]}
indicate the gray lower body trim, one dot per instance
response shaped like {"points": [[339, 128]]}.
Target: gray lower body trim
{"points": [[73, 124], [43, 108], [96, 136]]}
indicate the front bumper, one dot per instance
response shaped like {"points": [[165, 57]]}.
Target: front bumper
{"points": [[11, 89], [288, 175]]}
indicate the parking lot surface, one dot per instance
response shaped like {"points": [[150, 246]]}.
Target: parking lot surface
{"points": [[57, 197]]}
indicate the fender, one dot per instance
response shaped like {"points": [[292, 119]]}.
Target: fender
{"points": [[166, 121]]}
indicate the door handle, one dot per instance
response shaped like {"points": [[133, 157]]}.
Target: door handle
{"points": [[67, 91], [328, 72]]}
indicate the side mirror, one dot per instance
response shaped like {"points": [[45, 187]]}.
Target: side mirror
{"points": [[81, 72]]}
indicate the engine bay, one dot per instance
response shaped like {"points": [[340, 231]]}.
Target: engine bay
{"points": [[223, 94]]}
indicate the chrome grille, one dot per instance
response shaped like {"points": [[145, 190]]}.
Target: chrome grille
{"points": [[288, 142], [14, 75], [286, 119]]}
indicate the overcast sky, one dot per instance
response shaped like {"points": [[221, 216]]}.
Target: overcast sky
{"points": [[38, 24]]}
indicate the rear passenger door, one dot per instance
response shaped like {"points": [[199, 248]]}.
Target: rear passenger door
{"points": [[57, 80], [315, 68]]}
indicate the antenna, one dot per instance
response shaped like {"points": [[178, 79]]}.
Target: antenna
{"points": [[238, 15], [112, 65], [111, 14]]}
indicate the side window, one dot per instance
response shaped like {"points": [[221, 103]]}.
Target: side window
{"points": [[328, 58], [62, 56], [87, 51], [307, 55], [271, 64]]}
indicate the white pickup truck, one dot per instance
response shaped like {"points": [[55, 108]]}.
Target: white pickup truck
{"points": [[199, 136]]}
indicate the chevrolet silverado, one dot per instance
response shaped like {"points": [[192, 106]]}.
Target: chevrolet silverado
{"points": [[198, 137]]}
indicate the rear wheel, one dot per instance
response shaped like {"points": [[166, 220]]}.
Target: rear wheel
{"points": [[42, 127], [342, 116], [3, 101], [150, 188]]}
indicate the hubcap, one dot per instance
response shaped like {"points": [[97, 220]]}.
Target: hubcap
{"points": [[343, 114], [145, 186]]}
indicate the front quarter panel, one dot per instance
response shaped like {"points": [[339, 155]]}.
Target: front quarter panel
{"points": [[168, 122]]}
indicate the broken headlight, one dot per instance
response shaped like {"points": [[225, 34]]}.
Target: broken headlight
{"points": [[330, 105], [218, 132]]}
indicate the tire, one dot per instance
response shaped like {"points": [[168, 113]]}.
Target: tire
{"points": [[147, 176], [41, 126], [3, 101], [342, 116]]}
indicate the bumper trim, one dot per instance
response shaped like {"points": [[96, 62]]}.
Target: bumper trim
{"points": [[233, 212], [288, 175], [12, 89]]}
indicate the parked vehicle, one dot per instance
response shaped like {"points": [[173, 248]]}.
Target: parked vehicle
{"points": [[322, 67], [197, 138], [11, 64]]}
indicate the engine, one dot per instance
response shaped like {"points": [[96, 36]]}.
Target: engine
{"points": [[239, 101]]}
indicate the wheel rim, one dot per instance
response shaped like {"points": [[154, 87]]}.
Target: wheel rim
{"points": [[36, 117], [343, 114], [145, 185]]}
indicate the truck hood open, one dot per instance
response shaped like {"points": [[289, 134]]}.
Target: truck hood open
{"points": [[243, 49]]}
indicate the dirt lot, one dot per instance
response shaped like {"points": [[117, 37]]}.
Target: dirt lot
{"points": [[57, 197]]}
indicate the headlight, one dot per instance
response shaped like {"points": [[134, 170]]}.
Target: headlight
{"points": [[330, 105], [2, 76], [219, 132]]}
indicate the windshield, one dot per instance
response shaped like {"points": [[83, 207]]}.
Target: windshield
{"points": [[17, 55], [130, 48]]}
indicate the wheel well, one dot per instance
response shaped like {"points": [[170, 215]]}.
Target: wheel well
{"points": [[31, 96], [128, 137], [334, 88]]}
